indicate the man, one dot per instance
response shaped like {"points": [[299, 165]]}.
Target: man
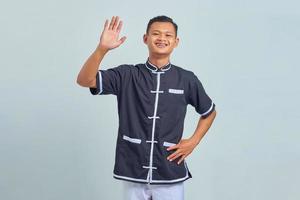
{"points": [[152, 101]]}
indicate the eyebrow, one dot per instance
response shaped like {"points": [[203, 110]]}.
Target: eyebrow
{"points": [[163, 31]]}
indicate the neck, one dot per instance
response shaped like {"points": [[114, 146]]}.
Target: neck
{"points": [[159, 61]]}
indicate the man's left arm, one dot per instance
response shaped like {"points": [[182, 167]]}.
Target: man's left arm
{"points": [[186, 146]]}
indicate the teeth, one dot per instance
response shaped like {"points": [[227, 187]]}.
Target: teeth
{"points": [[161, 45]]}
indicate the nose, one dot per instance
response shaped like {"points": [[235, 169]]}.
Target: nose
{"points": [[161, 37]]}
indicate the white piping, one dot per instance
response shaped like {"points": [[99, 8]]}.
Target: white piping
{"points": [[174, 180], [153, 65], [150, 141], [170, 181], [100, 82], [153, 126], [148, 167], [131, 179], [212, 105], [153, 91], [176, 91], [157, 117], [157, 67], [150, 68], [133, 140], [166, 68], [168, 144], [154, 70], [153, 181]]}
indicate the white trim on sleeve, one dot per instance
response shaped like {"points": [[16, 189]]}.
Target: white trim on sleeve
{"points": [[211, 107], [100, 82]]}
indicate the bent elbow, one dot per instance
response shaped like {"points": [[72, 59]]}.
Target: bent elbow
{"points": [[86, 82], [80, 82], [215, 112]]}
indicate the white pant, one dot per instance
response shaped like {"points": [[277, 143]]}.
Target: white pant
{"points": [[139, 191]]}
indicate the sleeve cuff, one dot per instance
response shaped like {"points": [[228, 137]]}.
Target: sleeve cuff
{"points": [[98, 90], [209, 111]]}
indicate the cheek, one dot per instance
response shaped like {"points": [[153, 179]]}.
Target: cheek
{"points": [[172, 44], [172, 41]]}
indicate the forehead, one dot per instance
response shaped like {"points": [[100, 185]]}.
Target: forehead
{"points": [[162, 27]]}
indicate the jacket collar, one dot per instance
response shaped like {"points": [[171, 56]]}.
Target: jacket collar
{"points": [[153, 67]]}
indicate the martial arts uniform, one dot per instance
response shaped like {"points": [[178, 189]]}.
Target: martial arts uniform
{"points": [[152, 105]]}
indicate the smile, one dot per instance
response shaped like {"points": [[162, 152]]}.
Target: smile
{"points": [[161, 45]]}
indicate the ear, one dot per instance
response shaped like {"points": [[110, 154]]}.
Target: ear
{"points": [[176, 41], [145, 38]]}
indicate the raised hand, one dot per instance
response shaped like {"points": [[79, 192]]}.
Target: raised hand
{"points": [[110, 35]]}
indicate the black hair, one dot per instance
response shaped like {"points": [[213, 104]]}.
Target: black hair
{"points": [[162, 18]]}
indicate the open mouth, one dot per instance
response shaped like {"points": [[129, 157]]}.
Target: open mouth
{"points": [[161, 45]]}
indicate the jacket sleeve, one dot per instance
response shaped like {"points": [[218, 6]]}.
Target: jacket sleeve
{"points": [[111, 80], [198, 98]]}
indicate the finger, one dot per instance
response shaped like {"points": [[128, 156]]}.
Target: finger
{"points": [[176, 156], [181, 159], [121, 41], [111, 23], [119, 26], [115, 23], [106, 25], [173, 147], [172, 155]]}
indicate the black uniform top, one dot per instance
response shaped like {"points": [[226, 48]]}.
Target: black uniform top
{"points": [[152, 105]]}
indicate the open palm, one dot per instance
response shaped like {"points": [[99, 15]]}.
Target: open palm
{"points": [[110, 35]]}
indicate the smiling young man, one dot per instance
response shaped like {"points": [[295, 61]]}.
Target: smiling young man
{"points": [[152, 101]]}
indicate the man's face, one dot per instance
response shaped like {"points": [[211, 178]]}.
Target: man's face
{"points": [[161, 38]]}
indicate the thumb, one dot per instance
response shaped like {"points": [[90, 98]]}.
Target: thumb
{"points": [[122, 40]]}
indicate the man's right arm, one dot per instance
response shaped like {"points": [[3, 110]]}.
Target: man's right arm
{"points": [[109, 40], [87, 74]]}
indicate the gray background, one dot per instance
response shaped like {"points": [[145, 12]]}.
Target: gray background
{"points": [[58, 141]]}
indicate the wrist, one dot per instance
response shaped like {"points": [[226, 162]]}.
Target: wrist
{"points": [[101, 49], [195, 140]]}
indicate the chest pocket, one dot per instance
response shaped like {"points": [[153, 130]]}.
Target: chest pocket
{"points": [[176, 96], [175, 91]]}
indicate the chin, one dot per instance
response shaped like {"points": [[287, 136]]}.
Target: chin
{"points": [[158, 53], [161, 51]]}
